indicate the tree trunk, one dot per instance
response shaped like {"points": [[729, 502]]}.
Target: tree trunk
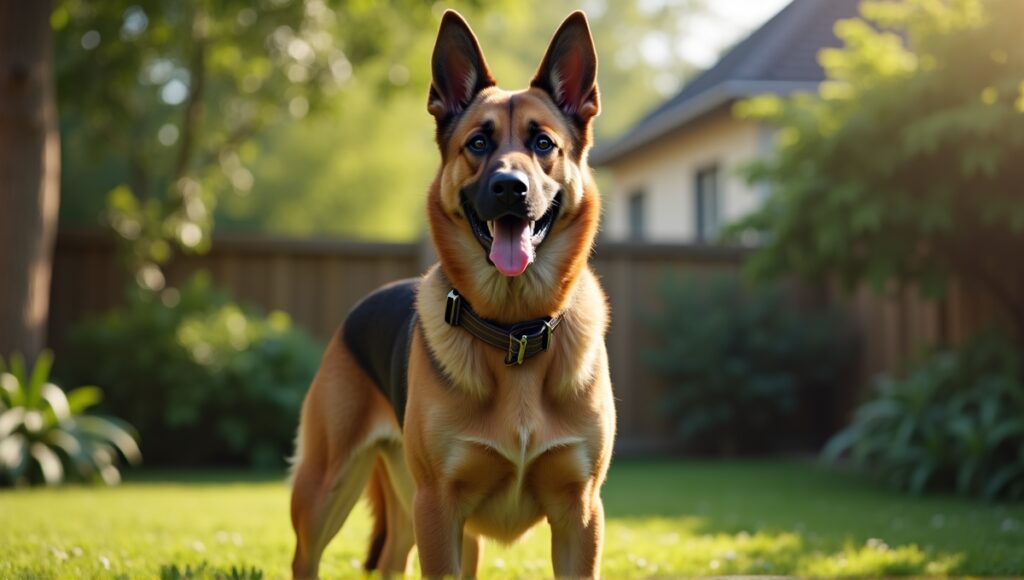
{"points": [[29, 173]]}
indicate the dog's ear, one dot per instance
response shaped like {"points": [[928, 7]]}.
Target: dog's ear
{"points": [[569, 70], [458, 66]]}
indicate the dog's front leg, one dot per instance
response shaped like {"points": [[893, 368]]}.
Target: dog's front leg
{"points": [[438, 534], [577, 536]]}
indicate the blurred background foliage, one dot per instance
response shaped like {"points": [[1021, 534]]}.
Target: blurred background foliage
{"points": [[294, 117], [205, 381], [905, 167], [742, 361], [46, 435], [904, 171], [954, 422]]}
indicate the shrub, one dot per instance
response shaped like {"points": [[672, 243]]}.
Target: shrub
{"points": [[741, 360], [45, 435], [956, 421], [206, 381]]}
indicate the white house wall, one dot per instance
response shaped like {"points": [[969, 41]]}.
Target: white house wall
{"points": [[666, 174]]}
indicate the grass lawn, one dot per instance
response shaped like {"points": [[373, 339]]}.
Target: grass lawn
{"points": [[665, 519]]}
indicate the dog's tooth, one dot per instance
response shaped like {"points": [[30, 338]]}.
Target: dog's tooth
{"points": [[533, 226], [490, 227]]}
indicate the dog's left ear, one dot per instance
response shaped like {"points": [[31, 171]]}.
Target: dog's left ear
{"points": [[569, 70]]}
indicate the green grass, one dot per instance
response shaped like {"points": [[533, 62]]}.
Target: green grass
{"points": [[664, 520]]}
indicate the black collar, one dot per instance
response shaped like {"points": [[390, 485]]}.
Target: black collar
{"points": [[520, 341]]}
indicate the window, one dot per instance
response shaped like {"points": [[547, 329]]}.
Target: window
{"points": [[708, 205], [637, 227]]}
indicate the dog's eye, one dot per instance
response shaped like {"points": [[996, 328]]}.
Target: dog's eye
{"points": [[477, 144], [543, 144]]}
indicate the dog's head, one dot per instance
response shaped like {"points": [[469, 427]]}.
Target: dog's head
{"points": [[513, 177]]}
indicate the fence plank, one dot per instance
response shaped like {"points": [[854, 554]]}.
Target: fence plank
{"points": [[318, 281]]}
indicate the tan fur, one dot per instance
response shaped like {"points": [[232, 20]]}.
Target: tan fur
{"points": [[487, 449]]}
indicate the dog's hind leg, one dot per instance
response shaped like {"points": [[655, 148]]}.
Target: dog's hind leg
{"points": [[344, 422], [472, 551], [399, 537], [378, 509]]}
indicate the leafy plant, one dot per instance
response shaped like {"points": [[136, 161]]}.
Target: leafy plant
{"points": [[739, 360], [207, 381], [955, 421], [905, 167], [45, 435]]}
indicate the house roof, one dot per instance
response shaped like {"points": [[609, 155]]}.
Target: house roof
{"points": [[779, 57]]}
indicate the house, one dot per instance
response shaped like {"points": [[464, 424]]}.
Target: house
{"points": [[675, 171]]}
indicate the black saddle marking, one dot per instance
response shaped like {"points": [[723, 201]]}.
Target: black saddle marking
{"points": [[378, 332]]}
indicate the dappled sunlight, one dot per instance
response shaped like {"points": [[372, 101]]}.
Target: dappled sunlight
{"points": [[686, 546], [731, 518], [677, 546], [876, 558]]}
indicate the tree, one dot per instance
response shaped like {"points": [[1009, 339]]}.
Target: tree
{"points": [[171, 96], [906, 166], [29, 174]]}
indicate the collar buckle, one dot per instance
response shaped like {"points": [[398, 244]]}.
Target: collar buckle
{"points": [[549, 332], [453, 308], [516, 350]]}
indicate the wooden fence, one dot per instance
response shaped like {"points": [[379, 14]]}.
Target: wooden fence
{"points": [[317, 281]]}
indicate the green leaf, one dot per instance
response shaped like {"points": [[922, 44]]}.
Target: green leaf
{"points": [[17, 364], [82, 398], [11, 390], [840, 443], [11, 420], [1001, 478], [14, 455], [40, 373], [49, 463], [1003, 431], [920, 476], [57, 401], [108, 429]]}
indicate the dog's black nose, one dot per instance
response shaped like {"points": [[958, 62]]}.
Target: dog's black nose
{"points": [[510, 187]]}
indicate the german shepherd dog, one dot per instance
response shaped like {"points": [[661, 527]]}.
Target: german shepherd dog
{"points": [[509, 417]]}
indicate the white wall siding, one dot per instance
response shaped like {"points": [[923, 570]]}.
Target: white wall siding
{"points": [[666, 173]]}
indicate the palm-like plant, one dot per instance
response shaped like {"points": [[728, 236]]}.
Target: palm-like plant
{"points": [[45, 435]]}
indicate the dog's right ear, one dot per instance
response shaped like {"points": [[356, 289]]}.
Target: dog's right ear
{"points": [[459, 68]]}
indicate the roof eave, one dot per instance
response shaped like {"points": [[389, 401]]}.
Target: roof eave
{"points": [[692, 110]]}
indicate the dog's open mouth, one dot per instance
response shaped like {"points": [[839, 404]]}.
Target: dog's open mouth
{"points": [[511, 241]]}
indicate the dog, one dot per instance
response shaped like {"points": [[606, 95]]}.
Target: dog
{"points": [[476, 401]]}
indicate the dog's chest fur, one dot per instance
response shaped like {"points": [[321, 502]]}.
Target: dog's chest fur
{"points": [[509, 462], [534, 430]]}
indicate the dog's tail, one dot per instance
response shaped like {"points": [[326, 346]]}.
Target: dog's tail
{"points": [[378, 507]]}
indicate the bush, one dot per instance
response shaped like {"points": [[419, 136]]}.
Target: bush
{"points": [[206, 381], [956, 421], [45, 434], [741, 361]]}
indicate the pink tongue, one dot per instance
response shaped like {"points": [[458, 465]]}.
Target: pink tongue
{"points": [[511, 250]]}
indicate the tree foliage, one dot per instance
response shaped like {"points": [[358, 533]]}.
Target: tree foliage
{"points": [[169, 96], [906, 165], [347, 150]]}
